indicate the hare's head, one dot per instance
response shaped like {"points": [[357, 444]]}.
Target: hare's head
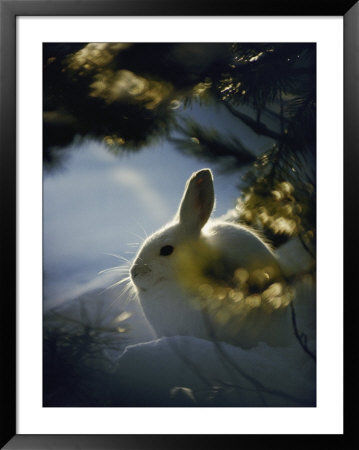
{"points": [[157, 260]]}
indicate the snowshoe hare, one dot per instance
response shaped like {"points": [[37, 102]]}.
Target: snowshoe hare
{"points": [[209, 278]]}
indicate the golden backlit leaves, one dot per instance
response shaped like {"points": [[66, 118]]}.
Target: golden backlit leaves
{"points": [[202, 88], [252, 56], [256, 57], [119, 319], [51, 60], [124, 85], [59, 117], [95, 56], [114, 140], [272, 207], [230, 295], [123, 316], [229, 86], [113, 84], [234, 85]]}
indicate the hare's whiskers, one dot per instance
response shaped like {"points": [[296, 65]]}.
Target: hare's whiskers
{"points": [[142, 228], [120, 269], [118, 298], [118, 257], [133, 244], [141, 238]]}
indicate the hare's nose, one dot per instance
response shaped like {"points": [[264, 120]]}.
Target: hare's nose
{"points": [[139, 269], [134, 271]]}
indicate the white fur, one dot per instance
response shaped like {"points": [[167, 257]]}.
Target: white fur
{"points": [[168, 305]]}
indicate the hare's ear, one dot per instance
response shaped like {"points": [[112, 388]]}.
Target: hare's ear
{"points": [[197, 201]]}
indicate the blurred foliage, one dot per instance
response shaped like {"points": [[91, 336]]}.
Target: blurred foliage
{"points": [[242, 305], [271, 88], [77, 355], [209, 145], [279, 211], [125, 95], [131, 95]]}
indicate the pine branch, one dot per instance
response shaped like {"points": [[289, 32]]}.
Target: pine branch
{"points": [[257, 127]]}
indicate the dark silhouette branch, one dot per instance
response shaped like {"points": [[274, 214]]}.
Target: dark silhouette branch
{"points": [[257, 127], [258, 386], [301, 337], [306, 246]]}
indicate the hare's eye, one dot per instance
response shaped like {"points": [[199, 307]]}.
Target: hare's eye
{"points": [[166, 250]]}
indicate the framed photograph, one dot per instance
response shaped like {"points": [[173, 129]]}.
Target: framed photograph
{"points": [[173, 183]]}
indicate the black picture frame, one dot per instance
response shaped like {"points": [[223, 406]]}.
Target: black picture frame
{"points": [[9, 10]]}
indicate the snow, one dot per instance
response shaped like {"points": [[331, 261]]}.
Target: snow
{"points": [[188, 371]]}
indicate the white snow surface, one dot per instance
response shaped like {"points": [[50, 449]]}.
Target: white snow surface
{"points": [[188, 371]]}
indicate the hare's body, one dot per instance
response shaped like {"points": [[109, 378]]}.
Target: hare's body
{"points": [[171, 314], [241, 246], [184, 271]]}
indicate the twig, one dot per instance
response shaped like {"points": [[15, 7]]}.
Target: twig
{"points": [[259, 387], [306, 246], [301, 337], [257, 127]]}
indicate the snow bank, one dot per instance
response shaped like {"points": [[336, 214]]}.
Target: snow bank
{"points": [[187, 371]]}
